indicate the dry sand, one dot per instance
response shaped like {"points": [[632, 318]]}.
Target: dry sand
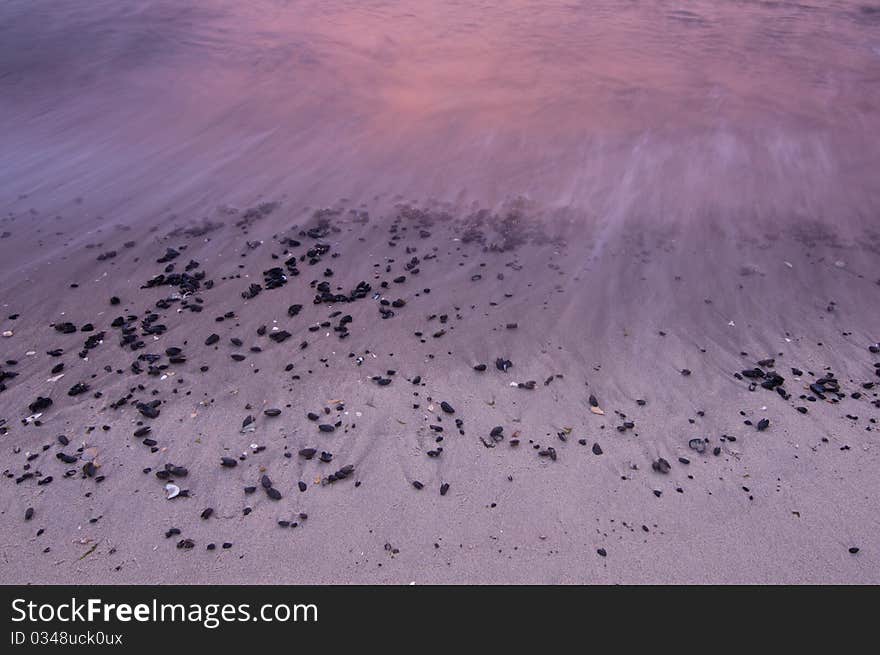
{"points": [[643, 254]]}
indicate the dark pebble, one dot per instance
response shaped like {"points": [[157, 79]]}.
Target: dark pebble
{"points": [[661, 465]]}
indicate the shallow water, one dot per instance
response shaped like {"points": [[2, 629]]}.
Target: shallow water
{"points": [[619, 109]]}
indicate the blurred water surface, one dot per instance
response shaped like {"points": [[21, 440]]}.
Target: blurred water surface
{"points": [[617, 107]]}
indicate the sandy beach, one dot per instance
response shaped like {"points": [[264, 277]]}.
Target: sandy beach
{"points": [[367, 293]]}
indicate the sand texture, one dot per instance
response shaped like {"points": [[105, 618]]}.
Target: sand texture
{"points": [[321, 293]]}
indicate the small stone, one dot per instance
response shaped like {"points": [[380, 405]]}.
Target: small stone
{"points": [[661, 466], [40, 404], [698, 445]]}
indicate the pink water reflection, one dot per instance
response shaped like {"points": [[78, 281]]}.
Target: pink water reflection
{"points": [[614, 106]]}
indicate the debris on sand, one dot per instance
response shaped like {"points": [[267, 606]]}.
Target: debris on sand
{"points": [[343, 368]]}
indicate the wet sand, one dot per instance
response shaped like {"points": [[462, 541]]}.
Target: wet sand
{"points": [[621, 258]]}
